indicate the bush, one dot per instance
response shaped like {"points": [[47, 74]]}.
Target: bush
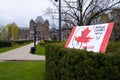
{"points": [[5, 44], [22, 41], [11, 43], [44, 42], [48, 41], [41, 43], [52, 60], [72, 64], [113, 47]]}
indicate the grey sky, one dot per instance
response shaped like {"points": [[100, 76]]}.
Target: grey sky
{"points": [[21, 11]]}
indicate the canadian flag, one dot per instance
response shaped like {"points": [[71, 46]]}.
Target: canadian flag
{"points": [[92, 38]]}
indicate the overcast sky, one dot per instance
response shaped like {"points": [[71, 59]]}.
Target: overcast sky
{"points": [[21, 11]]}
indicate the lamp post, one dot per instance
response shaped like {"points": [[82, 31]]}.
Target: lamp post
{"points": [[33, 49], [35, 25], [59, 19]]}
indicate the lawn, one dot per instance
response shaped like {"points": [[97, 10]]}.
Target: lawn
{"points": [[40, 50], [22, 70]]}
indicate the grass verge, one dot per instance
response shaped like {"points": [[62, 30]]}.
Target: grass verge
{"points": [[22, 70], [40, 50]]}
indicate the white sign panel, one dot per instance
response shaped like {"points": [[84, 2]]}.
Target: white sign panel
{"points": [[92, 38]]}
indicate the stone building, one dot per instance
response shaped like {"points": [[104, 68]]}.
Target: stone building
{"points": [[54, 34], [24, 33], [42, 31], [65, 32], [42, 28]]}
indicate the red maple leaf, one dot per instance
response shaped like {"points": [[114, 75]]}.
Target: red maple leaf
{"points": [[84, 37]]}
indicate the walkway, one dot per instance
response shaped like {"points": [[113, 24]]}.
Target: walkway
{"points": [[22, 53]]}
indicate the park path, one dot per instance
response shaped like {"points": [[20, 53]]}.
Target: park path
{"points": [[22, 53]]}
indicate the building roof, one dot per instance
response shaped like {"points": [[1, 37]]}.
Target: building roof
{"points": [[39, 19]]}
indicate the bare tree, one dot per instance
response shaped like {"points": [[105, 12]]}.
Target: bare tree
{"points": [[82, 12], [115, 16]]}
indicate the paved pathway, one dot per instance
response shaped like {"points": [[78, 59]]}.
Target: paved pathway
{"points": [[22, 53]]}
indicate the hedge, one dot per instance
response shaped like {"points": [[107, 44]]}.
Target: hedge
{"points": [[22, 41], [72, 64], [11, 43], [5, 44], [113, 47], [49, 41]]}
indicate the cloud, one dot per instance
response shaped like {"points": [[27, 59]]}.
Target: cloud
{"points": [[21, 11]]}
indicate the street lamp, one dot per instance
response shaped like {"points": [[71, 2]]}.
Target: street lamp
{"points": [[33, 49], [59, 19], [35, 25]]}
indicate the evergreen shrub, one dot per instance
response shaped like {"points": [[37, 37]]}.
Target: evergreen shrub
{"points": [[5, 44], [72, 64], [22, 41]]}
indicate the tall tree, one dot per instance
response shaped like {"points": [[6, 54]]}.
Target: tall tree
{"points": [[115, 16], [83, 12], [13, 31]]}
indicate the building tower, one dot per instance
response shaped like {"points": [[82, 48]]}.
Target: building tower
{"points": [[42, 28]]}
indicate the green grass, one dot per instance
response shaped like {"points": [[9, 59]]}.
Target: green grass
{"points": [[4, 49], [40, 50], [22, 70]]}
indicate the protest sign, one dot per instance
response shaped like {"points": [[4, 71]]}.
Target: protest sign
{"points": [[92, 37]]}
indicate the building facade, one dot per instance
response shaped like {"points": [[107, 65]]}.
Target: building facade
{"points": [[42, 29], [65, 32], [24, 33]]}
